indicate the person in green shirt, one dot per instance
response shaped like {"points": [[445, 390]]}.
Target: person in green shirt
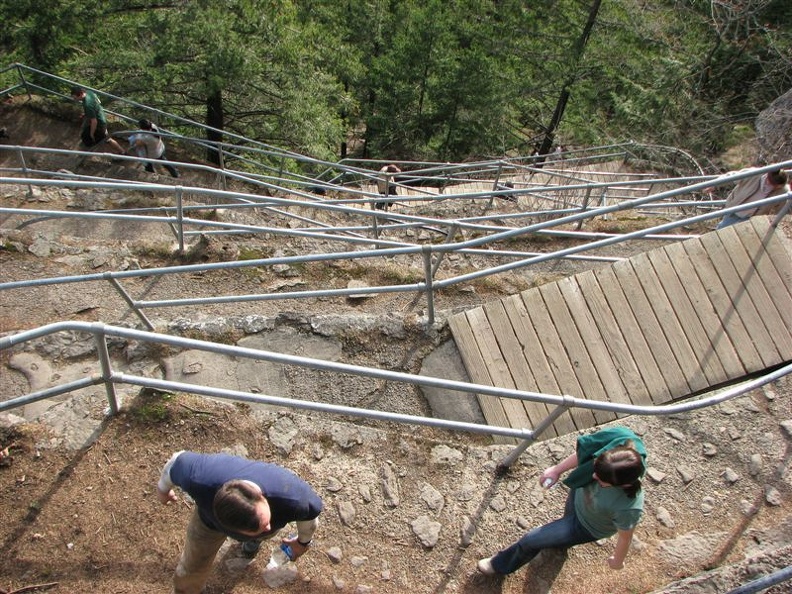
{"points": [[94, 124], [605, 498]]}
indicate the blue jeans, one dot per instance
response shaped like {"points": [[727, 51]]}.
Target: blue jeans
{"points": [[729, 219], [560, 534]]}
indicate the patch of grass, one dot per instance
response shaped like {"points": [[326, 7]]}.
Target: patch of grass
{"points": [[619, 224], [253, 253], [153, 407], [250, 272], [392, 274], [501, 284]]}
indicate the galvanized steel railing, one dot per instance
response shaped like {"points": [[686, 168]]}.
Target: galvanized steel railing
{"points": [[431, 255], [106, 375]]}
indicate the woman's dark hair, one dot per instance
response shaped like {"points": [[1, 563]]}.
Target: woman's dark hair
{"points": [[777, 177], [144, 124], [234, 506], [622, 467]]}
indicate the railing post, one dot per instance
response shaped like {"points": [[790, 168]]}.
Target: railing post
{"points": [[449, 238], [426, 251], [221, 156], [497, 177], [375, 222], [512, 456], [583, 208], [107, 370], [495, 186], [25, 171], [221, 164], [603, 202], [24, 81], [180, 217]]}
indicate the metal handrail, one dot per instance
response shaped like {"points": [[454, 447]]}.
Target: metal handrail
{"points": [[762, 583], [382, 248], [559, 403]]}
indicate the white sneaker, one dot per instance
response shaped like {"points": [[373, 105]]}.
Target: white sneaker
{"points": [[485, 566]]}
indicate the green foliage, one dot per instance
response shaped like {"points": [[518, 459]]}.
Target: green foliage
{"points": [[424, 79], [44, 33], [152, 407]]}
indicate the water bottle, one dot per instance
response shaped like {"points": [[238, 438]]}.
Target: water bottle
{"points": [[280, 556], [548, 482]]}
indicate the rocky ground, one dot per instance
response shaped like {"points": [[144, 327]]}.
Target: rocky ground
{"points": [[406, 509]]}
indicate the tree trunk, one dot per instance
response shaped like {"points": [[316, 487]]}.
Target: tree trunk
{"points": [[215, 120], [577, 56]]}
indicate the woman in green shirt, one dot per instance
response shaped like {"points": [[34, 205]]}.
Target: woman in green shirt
{"points": [[605, 498]]}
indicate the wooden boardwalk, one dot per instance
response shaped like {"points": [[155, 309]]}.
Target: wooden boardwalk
{"points": [[658, 327]]}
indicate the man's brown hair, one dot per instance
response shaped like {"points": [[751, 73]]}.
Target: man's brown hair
{"points": [[234, 506]]}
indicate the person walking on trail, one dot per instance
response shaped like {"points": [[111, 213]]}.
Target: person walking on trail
{"points": [[148, 144], [751, 189], [605, 498], [94, 123], [385, 186], [246, 500]]}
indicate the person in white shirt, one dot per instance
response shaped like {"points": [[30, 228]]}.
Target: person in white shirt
{"points": [[148, 144], [385, 185], [751, 189]]}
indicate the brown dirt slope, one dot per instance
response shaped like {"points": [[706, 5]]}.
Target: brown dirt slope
{"points": [[88, 520]]}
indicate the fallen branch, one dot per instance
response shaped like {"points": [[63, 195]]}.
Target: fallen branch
{"points": [[30, 588]]}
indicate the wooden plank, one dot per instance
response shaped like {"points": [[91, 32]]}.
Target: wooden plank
{"points": [[556, 355], [647, 321], [512, 351], [491, 406], [497, 366], [582, 365], [669, 323], [741, 298], [645, 360], [777, 245], [705, 357], [525, 332], [760, 285], [778, 287], [615, 332], [722, 296], [696, 292], [589, 332]]}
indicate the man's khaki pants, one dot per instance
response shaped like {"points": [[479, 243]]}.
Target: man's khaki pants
{"points": [[200, 549]]}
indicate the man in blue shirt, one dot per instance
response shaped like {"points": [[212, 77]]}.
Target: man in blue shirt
{"points": [[249, 501]]}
